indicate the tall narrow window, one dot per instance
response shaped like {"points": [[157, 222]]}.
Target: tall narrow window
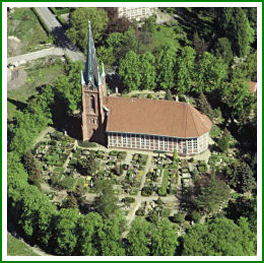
{"points": [[93, 104]]}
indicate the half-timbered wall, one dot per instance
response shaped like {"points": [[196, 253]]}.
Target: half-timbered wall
{"points": [[184, 146]]}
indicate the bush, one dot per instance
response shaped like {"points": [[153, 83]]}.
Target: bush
{"points": [[128, 200], [163, 189], [146, 191], [87, 144], [68, 183], [113, 153], [178, 218], [121, 155]]}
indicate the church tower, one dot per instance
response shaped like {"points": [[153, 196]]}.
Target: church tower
{"points": [[93, 93]]}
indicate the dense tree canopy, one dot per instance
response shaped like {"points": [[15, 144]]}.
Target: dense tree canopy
{"points": [[219, 237], [78, 28]]}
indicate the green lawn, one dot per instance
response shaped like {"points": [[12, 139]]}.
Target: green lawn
{"points": [[40, 74], [16, 247], [24, 25]]}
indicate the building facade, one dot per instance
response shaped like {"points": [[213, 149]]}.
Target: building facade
{"points": [[137, 13], [140, 124]]}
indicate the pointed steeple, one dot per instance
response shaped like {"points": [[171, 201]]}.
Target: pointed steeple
{"points": [[99, 77], [82, 79], [103, 70], [91, 66]]}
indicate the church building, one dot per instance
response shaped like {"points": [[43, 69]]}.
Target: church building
{"points": [[140, 124]]}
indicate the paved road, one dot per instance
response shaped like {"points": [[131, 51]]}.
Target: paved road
{"points": [[57, 30], [22, 59]]}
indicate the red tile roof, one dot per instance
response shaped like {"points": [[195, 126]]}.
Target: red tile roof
{"points": [[252, 86], [156, 117]]}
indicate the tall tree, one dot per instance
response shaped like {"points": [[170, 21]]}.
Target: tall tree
{"points": [[165, 68], [65, 233], [129, 71], [164, 239], [138, 238], [234, 24], [219, 237], [185, 70], [209, 73], [148, 71], [223, 49], [78, 25]]}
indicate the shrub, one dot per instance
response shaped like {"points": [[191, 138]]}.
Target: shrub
{"points": [[87, 144], [163, 189], [178, 218], [113, 153], [68, 183], [128, 200], [146, 191], [121, 155]]}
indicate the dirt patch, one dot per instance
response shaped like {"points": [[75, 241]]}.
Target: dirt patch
{"points": [[14, 46], [16, 78]]}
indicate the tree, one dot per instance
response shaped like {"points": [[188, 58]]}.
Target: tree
{"points": [[210, 194], [148, 71], [78, 25], [65, 231], [110, 237], [164, 239], [238, 98], [88, 228], [224, 142], [223, 50], [239, 176], [219, 237], [129, 71], [204, 106], [122, 43], [106, 203], [138, 238], [210, 72], [165, 68], [67, 87], [235, 25], [185, 70], [34, 174], [88, 166], [199, 44], [168, 95], [243, 207]]}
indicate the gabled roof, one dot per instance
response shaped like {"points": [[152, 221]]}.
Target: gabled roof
{"points": [[156, 117]]}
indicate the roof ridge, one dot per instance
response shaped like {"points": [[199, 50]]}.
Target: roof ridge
{"points": [[194, 121]]}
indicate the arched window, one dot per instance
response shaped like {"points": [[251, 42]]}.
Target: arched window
{"points": [[93, 104]]}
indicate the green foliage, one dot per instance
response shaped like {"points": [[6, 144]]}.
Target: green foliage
{"points": [[219, 237], [210, 194], [78, 25], [164, 184], [148, 71], [247, 69], [210, 72], [67, 87], [239, 176], [129, 71], [146, 191], [29, 123], [204, 106], [88, 166], [224, 142], [106, 203], [65, 231], [165, 68], [235, 25], [178, 218], [238, 98], [185, 69], [34, 173], [164, 239], [223, 50]]}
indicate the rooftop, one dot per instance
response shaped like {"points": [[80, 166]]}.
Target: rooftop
{"points": [[156, 117]]}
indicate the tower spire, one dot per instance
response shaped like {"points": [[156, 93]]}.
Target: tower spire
{"points": [[91, 66]]}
